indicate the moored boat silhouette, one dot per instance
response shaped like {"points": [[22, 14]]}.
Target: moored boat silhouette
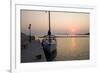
{"points": [[49, 47], [49, 44]]}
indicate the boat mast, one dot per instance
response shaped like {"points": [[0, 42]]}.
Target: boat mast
{"points": [[49, 31]]}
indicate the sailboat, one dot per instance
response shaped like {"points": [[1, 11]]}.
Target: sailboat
{"points": [[49, 44]]}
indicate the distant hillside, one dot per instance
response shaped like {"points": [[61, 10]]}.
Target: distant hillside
{"points": [[87, 34], [84, 34]]}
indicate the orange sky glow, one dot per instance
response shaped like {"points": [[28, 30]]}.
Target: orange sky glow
{"points": [[61, 22]]}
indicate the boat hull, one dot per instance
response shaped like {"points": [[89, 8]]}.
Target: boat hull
{"points": [[49, 47], [50, 55]]}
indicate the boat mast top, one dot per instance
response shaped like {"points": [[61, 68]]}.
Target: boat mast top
{"points": [[49, 31]]}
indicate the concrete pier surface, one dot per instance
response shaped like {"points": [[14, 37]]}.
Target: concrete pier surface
{"points": [[32, 52]]}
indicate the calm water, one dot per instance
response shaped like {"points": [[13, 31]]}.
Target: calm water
{"points": [[72, 48]]}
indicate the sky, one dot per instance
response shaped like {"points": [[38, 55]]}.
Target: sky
{"points": [[61, 22]]}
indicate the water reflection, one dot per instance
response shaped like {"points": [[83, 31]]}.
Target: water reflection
{"points": [[73, 43], [72, 48]]}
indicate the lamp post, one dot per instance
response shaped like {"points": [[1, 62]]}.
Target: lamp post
{"points": [[29, 32]]}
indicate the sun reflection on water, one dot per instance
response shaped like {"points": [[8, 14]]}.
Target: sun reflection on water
{"points": [[73, 42]]}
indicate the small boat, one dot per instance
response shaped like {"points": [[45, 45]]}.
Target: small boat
{"points": [[49, 47], [49, 44]]}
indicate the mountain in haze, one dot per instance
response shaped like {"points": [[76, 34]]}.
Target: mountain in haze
{"points": [[83, 34]]}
